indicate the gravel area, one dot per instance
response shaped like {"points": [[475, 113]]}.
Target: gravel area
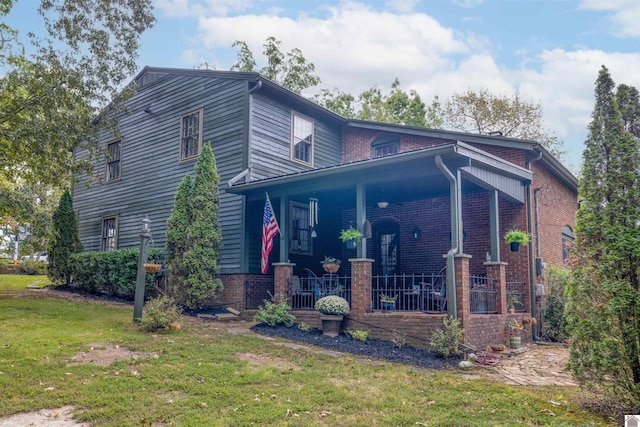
{"points": [[373, 348]]}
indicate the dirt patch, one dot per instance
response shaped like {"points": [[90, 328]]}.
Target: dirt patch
{"points": [[60, 417], [105, 354], [257, 360]]}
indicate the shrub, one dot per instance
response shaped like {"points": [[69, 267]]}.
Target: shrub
{"points": [[398, 339], [358, 334], [31, 266], [446, 342], [64, 241], [555, 324], [304, 327], [333, 305], [4, 263], [161, 313], [112, 272], [275, 312]]}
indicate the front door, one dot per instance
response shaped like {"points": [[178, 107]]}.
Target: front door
{"points": [[387, 248]]}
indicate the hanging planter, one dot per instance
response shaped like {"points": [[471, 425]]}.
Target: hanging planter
{"points": [[350, 237], [152, 268], [516, 238], [331, 264]]}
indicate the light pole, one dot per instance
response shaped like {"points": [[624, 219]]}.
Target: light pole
{"points": [[141, 278]]}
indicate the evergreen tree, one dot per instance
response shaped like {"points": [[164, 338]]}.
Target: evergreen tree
{"points": [[194, 238], [177, 236], [603, 308], [64, 242]]}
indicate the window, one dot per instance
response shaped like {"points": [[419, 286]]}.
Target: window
{"points": [[385, 146], [386, 248], [109, 233], [300, 242], [191, 135], [113, 160], [567, 239], [302, 139]]}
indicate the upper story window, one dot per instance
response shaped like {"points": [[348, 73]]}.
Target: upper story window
{"points": [[299, 229], [302, 139], [385, 146], [567, 239], [114, 151], [109, 239], [191, 134]]}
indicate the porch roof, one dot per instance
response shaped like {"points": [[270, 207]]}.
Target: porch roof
{"points": [[480, 168]]}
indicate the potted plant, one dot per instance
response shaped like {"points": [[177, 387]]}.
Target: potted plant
{"points": [[332, 310], [512, 301], [388, 302], [330, 264], [349, 236], [516, 238], [516, 329]]}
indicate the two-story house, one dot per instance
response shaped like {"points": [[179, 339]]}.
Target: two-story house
{"points": [[433, 205]]}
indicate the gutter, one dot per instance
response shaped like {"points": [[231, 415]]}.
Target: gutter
{"points": [[532, 261], [451, 273]]}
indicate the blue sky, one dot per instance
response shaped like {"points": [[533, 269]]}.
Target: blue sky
{"points": [[549, 51]]}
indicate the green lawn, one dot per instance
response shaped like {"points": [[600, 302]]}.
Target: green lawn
{"points": [[204, 376]]}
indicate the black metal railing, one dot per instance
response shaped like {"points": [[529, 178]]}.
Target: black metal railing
{"points": [[303, 292], [517, 296], [409, 292], [483, 295]]}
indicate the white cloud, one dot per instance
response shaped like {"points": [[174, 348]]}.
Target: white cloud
{"points": [[403, 6], [625, 15]]}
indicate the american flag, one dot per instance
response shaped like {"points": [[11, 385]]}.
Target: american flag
{"points": [[269, 231]]}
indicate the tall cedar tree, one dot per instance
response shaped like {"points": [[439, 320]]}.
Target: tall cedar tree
{"points": [[603, 308], [177, 237], [198, 266], [64, 242]]}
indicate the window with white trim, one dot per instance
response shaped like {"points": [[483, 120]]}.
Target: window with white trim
{"points": [[109, 233], [385, 146], [300, 241], [114, 152], [191, 135], [302, 139]]}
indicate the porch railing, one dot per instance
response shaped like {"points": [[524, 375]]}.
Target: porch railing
{"points": [[483, 295], [517, 290], [303, 292], [410, 292]]}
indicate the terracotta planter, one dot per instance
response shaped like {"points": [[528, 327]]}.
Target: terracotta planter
{"points": [[331, 324], [331, 267], [151, 268]]}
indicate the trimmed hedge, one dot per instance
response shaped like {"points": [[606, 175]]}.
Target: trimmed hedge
{"points": [[31, 266], [111, 272]]}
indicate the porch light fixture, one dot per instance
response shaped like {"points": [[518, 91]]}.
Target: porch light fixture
{"points": [[145, 224], [417, 233], [382, 203]]}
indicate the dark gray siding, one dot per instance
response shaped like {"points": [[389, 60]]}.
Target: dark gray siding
{"points": [[150, 167], [271, 140]]}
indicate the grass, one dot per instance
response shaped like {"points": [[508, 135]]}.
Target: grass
{"points": [[200, 376]]}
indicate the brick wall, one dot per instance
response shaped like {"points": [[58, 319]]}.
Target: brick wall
{"points": [[484, 330]]}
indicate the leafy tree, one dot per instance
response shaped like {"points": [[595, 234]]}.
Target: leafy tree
{"points": [[292, 70], [603, 308], [195, 239], [64, 241], [484, 113], [49, 101], [629, 105], [177, 236]]}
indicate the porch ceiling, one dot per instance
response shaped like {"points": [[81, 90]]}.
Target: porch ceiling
{"points": [[401, 177]]}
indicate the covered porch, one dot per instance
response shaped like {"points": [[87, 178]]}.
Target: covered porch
{"points": [[432, 223]]}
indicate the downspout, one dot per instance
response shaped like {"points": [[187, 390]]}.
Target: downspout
{"points": [[532, 261], [451, 273]]}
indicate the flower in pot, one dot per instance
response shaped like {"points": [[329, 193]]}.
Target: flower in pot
{"points": [[512, 301], [332, 310], [349, 236], [516, 238], [330, 264], [516, 329], [388, 302]]}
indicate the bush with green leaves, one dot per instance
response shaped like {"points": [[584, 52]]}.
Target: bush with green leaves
{"points": [[358, 334], [31, 266], [275, 312], [64, 241], [304, 327], [446, 341], [555, 324], [160, 313], [111, 272], [332, 305]]}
